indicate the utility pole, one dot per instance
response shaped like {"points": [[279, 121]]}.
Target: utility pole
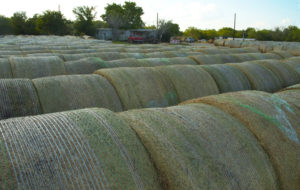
{"points": [[234, 25], [157, 21]]}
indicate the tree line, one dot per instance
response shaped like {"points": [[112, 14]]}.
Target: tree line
{"points": [[126, 16], [290, 33]]}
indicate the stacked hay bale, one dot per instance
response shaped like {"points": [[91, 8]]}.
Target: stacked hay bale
{"points": [[18, 98], [84, 149], [291, 95], [70, 92], [274, 122], [202, 147], [232, 58], [141, 87], [85, 66], [5, 69], [259, 76], [228, 78], [293, 62], [285, 73], [189, 81], [34, 67]]}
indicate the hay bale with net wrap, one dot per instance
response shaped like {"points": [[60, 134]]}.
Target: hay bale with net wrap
{"points": [[18, 97], [293, 62], [260, 77], [274, 122], [35, 67], [291, 94], [5, 69], [190, 81], [69, 92], [228, 78], [202, 147], [83, 149], [141, 87], [287, 74], [85, 66]]}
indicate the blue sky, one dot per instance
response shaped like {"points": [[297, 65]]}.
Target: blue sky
{"points": [[203, 14]]}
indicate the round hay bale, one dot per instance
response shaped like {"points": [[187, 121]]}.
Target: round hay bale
{"points": [[295, 51], [18, 97], [228, 78], [127, 62], [141, 87], [70, 92], [202, 147], [207, 59], [219, 42], [35, 67], [106, 56], [294, 87], [282, 54], [274, 122], [292, 96], [293, 62], [84, 149], [159, 55], [190, 81], [287, 74], [259, 76], [85, 66], [5, 69]]}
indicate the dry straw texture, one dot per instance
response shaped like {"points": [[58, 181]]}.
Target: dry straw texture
{"points": [[84, 149], [18, 98], [190, 81], [5, 69], [85, 65], [228, 78], [259, 76], [202, 147], [292, 96], [76, 91], [141, 87], [274, 122], [293, 62], [35, 67], [287, 74]]}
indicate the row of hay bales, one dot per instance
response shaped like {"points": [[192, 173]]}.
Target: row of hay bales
{"points": [[264, 46], [241, 140], [41, 66], [109, 53], [141, 87]]}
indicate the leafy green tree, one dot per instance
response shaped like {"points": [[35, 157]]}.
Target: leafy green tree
{"points": [[132, 15], [192, 32], [18, 21], [292, 34], [5, 26], [114, 17], [85, 20], [53, 23], [31, 25], [172, 30], [225, 32]]}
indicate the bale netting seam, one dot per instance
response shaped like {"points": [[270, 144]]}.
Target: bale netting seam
{"points": [[82, 149], [273, 121]]}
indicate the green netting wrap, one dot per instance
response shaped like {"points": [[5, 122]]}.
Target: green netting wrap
{"points": [[228, 78], [84, 149], [274, 122], [287, 74], [190, 81], [18, 97], [85, 65], [260, 77], [202, 147], [35, 67], [76, 91], [5, 69], [141, 87]]}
